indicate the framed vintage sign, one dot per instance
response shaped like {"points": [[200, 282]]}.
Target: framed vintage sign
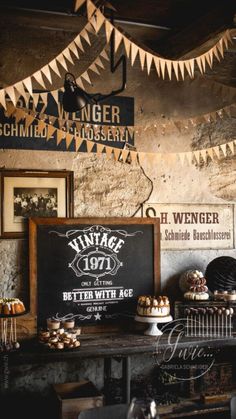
{"points": [[92, 269], [33, 193]]}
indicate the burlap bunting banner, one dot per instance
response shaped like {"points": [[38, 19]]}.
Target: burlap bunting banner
{"points": [[197, 157], [163, 66], [46, 72]]}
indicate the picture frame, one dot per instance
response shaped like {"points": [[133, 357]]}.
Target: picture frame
{"points": [[33, 193], [138, 247]]}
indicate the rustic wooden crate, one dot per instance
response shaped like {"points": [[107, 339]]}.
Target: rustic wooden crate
{"points": [[73, 398]]}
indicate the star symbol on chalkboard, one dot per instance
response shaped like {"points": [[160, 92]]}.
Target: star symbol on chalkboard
{"points": [[97, 316]]}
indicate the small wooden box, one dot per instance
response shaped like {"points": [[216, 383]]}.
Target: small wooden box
{"points": [[73, 398]]}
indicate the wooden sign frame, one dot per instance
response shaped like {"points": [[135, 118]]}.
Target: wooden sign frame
{"points": [[30, 320], [13, 182]]}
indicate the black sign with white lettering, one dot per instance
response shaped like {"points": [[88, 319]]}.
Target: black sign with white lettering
{"points": [[115, 112], [95, 271]]}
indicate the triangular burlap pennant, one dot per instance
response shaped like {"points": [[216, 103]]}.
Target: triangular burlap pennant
{"points": [[85, 35], [54, 67], [118, 39], [60, 135], [38, 77], [127, 45], [86, 77], [19, 115], [210, 153], [108, 29], [203, 61], [225, 41], [209, 58], [134, 156], [94, 68], [55, 95], [67, 55], [228, 36], [223, 148], [91, 8], [176, 69], [28, 84], [134, 51], [99, 63], [78, 4], [125, 154], [41, 126], [203, 154], [28, 120], [188, 68], [100, 148], [89, 28], [231, 146], [78, 42], [10, 109], [69, 139], [11, 93], [197, 156], [109, 151], [199, 63], [80, 83], [217, 151], [89, 144], [44, 97], [104, 55], [73, 48], [20, 88], [216, 54], [78, 143], [142, 56], [220, 47], [100, 20], [189, 157], [46, 71], [60, 59], [157, 65], [117, 152], [181, 67], [163, 66], [52, 119], [169, 68], [50, 131], [149, 58]]}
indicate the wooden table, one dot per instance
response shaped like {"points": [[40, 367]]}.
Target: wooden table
{"points": [[121, 345]]}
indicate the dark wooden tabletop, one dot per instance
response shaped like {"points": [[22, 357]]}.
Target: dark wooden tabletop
{"points": [[109, 345]]}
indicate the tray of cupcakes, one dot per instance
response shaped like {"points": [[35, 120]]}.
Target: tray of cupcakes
{"points": [[60, 335]]}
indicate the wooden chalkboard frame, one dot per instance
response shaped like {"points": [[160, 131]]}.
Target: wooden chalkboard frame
{"points": [[30, 320]]}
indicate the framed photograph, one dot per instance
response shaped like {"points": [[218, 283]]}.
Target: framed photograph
{"points": [[33, 193]]}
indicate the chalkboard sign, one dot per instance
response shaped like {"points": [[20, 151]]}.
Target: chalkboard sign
{"points": [[92, 268]]}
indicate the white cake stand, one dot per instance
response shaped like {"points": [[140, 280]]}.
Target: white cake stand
{"points": [[153, 324]]}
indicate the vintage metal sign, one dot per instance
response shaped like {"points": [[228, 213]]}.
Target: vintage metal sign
{"points": [[193, 226], [115, 112]]}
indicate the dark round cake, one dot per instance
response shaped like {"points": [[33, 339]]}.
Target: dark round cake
{"points": [[221, 274]]}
